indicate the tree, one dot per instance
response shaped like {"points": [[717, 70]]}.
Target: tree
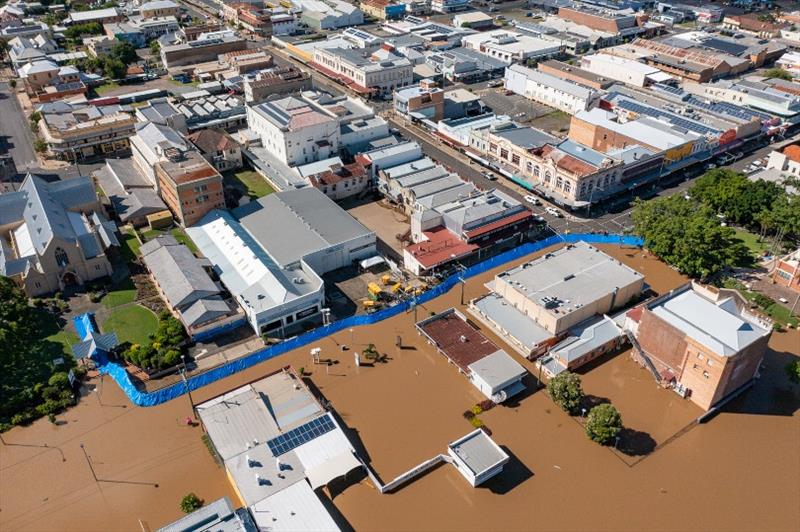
{"points": [[734, 196], [3, 47], [565, 390], [190, 503], [124, 52], [778, 73], [79, 30], [28, 387], [155, 47], [793, 370], [687, 235], [603, 423], [39, 145], [114, 69], [12, 83]]}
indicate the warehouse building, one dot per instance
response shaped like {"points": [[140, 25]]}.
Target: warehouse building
{"points": [[536, 304], [271, 253]]}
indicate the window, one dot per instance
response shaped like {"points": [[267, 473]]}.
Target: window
{"points": [[567, 186], [515, 159], [529, 167], [547, 177], [536, 171], [700, 356], [710, 362], [559, 182], [62, 259], [504, 153]]}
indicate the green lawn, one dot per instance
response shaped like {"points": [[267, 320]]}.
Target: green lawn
{"points": [[66, 338], [181, 236], [132, 323], [179, 84], [130, 247], [121, 294], [781, 314], [255, 185], [756, 246], [58, 342], [106, 87]]}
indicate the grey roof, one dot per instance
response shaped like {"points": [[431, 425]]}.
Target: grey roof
{"points": [[586, 337], [158, 110], [177, 271], [130, 192], [244, 266], [205, 310], [45, 209], [513, 322], [118, 175], [294, 223], [218, 516], [136, 204], [571, 277], [497, 369], [718, 325], [478, 452], [526, 137]]}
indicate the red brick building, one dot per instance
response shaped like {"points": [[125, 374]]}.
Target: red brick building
{"points": [[701, 341]]}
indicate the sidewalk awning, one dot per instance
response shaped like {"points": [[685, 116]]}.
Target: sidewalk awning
{"points": [[328, 470]]}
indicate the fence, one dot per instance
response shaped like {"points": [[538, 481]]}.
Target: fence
{"points": [[163, 395]]}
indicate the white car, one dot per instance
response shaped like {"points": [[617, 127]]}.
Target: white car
{"points": [[533, 200], [554, 212]]}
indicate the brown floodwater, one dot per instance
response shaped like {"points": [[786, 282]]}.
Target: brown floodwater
{"points": [[739, 471]]}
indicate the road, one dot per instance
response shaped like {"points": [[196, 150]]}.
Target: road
{"points": [[15, 134]]}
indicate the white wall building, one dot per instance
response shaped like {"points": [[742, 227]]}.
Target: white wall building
{"points": [[377, 76], [549, 90], [511, 47], [377, 160], [293, 131], [271, 253], [621, 69]]}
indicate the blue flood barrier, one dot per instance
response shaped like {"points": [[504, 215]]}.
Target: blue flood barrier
{"points": [[139, 398]]}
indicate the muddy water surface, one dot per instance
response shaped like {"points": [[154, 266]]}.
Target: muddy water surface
{"points": [[739, 471]]}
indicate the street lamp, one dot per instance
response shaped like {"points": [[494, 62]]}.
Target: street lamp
{"points": [[91, 468]]}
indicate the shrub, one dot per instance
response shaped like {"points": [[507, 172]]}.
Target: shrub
{"points": [[79, 372], [476, 410], [59, 380], [476, 422], [468, 414], [603, 423], [565, 390], [793, 371], [190, 503]]}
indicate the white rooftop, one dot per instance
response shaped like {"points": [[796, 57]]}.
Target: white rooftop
{"points": [[571, 277], [719, 325], [293, 509]]}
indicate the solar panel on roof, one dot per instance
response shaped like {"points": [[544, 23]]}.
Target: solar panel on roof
{"points": [[303, 434]]}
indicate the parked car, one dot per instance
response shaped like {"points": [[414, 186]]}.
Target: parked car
{"points": [[554, 212], [533, 200], [490, 176]]}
